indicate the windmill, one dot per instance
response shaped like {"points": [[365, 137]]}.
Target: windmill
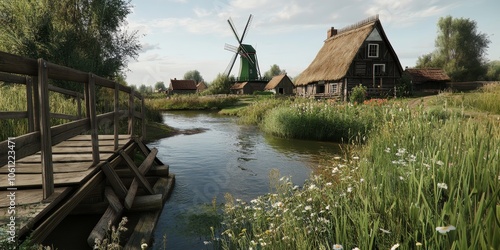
{"points": [[249, 67]]}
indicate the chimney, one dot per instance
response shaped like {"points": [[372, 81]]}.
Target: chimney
{"points": [[331, 32]]}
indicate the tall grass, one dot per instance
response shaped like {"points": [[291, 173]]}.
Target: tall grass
{"points": [[485, 99], [418, 173], [13, 98], [182, 102]]}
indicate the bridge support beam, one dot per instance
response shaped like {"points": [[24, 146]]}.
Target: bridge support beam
{"points": [[45, 134]]}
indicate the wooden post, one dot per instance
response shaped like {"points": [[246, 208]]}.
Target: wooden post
{"points": [[91, 114], [29, 106], [117, 109], [143, 118], [45, 136], [79, 105], [36, 105], [131, 110]]}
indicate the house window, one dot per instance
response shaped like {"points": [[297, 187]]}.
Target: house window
{"points": [[333, 88], [320, 89], [373, 50], [281, 91], [378, 69]]}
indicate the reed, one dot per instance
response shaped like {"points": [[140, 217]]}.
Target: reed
{"points": [[422, 181]]}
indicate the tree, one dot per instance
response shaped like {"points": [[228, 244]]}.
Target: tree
{"points": [[460, 49], [221, 85], [193, 75], [86, 34], [160, 86], [493, 71], [274, 71]]}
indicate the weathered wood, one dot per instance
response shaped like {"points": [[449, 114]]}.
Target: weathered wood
{"points": [[63, 91], [36, 105], [116, 117], [92, 113], [45, 135], [143, 119], [46, 227], [145, 150], [111, 216], [79, 105], [63, 116], [147, 203], [58, 72], [17, 64], [161, 171], [113, 199], [114, 180], [143, 169], [29, 101], [140, 177], [10, 78], [14, 114], [131, 111], [30, 142]]}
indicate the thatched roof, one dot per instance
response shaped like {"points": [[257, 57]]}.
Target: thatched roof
{"points": [[182, 84], [275, 81], [428, 75], [335, 57], [239, 85]]}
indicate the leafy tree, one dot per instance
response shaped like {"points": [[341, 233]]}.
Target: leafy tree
{"points": [[460, 49], [83, 34], [221, 85], [274, 71], [160, 86], [193, 75], [493, 71]]}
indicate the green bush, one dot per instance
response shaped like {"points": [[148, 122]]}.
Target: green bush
{"points": [[358, 94]]}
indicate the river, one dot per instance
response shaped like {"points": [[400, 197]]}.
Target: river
{"points": [[225, 158]]}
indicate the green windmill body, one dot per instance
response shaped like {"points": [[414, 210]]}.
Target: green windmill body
{"points": [[249, 66]]}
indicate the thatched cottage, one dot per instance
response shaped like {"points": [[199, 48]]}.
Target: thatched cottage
{"points": [[358, 54], [280, 84]]}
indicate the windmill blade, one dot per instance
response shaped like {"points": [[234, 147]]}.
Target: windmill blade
{"points": [[230, 65], [244, 52], [233, 28], [231, 48], [246, 28]]}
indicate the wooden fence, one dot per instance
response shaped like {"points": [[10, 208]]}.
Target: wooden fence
{"points": [[41, 136]]}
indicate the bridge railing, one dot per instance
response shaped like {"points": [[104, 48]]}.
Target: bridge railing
{"points": [[42, 135]]}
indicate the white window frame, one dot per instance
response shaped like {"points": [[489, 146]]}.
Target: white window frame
{"points": [[382, 71], [377, 50]]}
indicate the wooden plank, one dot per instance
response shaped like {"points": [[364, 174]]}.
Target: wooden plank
{"points": [[45, 131], [63, 91], [25, 197], [35, 180], [139, 176], [36, 168], [102, 143], [11, 78], [143, 169], [114, 180], [59, 72], [145, 150], [63, 158], [13, 114], [113, 199], [46, 227], [90, 87], [63, 116], [101, 137], [146, 225], [29, 100], [161, 171], [131, 111], [17, 64], [101, 228], [147, 203]]}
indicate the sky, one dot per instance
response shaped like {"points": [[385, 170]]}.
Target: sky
{"points": [[182, 35]]}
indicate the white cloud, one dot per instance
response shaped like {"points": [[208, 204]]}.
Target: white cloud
{"points": [[147, 47]]}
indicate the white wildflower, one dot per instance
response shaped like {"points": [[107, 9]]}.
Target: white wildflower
{"points": [[442, 185], [446, 229], [395, 246]]}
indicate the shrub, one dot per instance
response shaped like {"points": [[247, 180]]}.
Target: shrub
{"points": [[358, 94]]}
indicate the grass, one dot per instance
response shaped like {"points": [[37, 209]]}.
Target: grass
{"points": [[427, 178], [195, 102]]}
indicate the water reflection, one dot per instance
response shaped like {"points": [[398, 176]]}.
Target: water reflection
{"points": [[227, 157]]}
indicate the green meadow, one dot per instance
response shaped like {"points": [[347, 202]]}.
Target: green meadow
{"points": [[426, 176]]}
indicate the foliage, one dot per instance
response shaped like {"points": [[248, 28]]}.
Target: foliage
{"points": [[460, 49], [191, 102], [112, 240], [274, 71], [220, 85], [404, 87], [358, 94], [262, 93], [254, 114], [417, 175], [85, 35], [193, 75], [160, 86], [143, 89], [493, 71]]}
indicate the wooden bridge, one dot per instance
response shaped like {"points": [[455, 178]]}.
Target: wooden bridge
{"points": [[66, 163]]}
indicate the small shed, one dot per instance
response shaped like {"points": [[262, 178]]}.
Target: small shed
{"points": [[247, 88], [427, 79], [201, 86], [182, 86], [280, 84]]}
